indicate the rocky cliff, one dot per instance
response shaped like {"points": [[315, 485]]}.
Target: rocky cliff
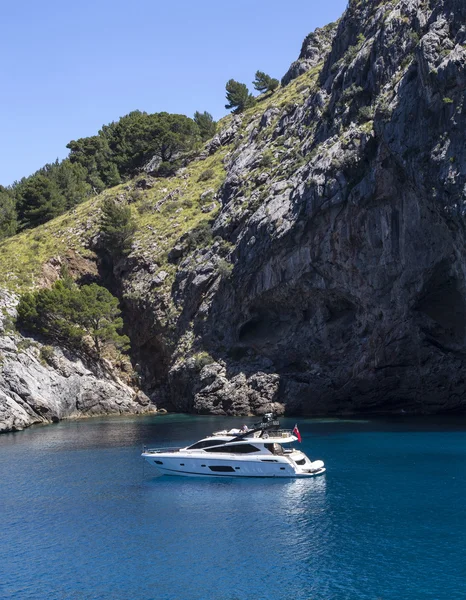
{"points": [[43, 384], [343, 216], [313, 256]]}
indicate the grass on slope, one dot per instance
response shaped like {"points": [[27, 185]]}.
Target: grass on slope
{"points": [[23, 256]]}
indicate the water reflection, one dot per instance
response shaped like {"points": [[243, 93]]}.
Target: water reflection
{"points": [[264, 524]]}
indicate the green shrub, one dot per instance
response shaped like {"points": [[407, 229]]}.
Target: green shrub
{"points": [[145, 206], [199, 237], [353, 50], [206, 175], [267, 159], [207, 197], [8, 324], [46, 354], [414, 36], [171, 207], [201, 360], [24, 344], [224, 268], [383, 110], [135, 196], [350, 93], [168, 169], [366, 113]]}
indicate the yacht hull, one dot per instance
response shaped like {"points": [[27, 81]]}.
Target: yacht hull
{"points": [[167, 464]]}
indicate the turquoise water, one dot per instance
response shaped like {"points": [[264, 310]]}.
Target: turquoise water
{"points": [[81, 518]]}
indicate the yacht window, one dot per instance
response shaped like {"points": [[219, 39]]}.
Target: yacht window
{"points": [[235, 449], [204, 444], [221, 469]]}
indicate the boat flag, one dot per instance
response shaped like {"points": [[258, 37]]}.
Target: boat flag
{"points": [[296, 433]]}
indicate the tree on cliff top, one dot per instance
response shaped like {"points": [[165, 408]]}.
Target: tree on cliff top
{"points": [[138, 137], [207, 125], [94, 155], [265, 83], [238, 96], [68, 314], [38, 200]]}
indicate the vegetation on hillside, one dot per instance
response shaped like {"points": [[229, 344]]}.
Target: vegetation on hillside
{"points": [[117, 228], [162, 142], [166, 209], [264, 83], [117, 153], [8, 217], [207, 125], [86, 317], [162, 213], [238, 96]]}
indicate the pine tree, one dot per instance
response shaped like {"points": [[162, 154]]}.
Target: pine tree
{"points": [[68, 314], [265, 83], [39, 200], [207, 125], [117, 228], [93, 153], [96, 313], [238, 96], [71, 181], [8, 217]]}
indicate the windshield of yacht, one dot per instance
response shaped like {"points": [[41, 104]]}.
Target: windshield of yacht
{"points": [[235, 449], [205, 444]]}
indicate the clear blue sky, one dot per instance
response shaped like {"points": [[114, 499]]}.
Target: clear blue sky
{"points": [[70, 66]]}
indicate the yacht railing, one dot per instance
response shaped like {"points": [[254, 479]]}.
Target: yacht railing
{"points": [[279, 433]]}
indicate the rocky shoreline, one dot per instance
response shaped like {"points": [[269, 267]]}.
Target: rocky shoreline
{"points": [[45, 384]]}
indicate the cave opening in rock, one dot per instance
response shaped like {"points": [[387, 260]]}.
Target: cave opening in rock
{"points": [[443, 301]]}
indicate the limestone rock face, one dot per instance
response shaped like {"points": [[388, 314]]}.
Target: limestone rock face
{"points": [[343, 212], [38, 390], [213, 390], [315, 47]]}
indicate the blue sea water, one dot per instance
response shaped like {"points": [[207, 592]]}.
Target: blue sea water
{"points": [[81, 518]]}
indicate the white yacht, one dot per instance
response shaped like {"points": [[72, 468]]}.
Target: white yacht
{"points": [[263, 451]]}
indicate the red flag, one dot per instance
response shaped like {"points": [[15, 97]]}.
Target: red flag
{"points": [[296, 433]]}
